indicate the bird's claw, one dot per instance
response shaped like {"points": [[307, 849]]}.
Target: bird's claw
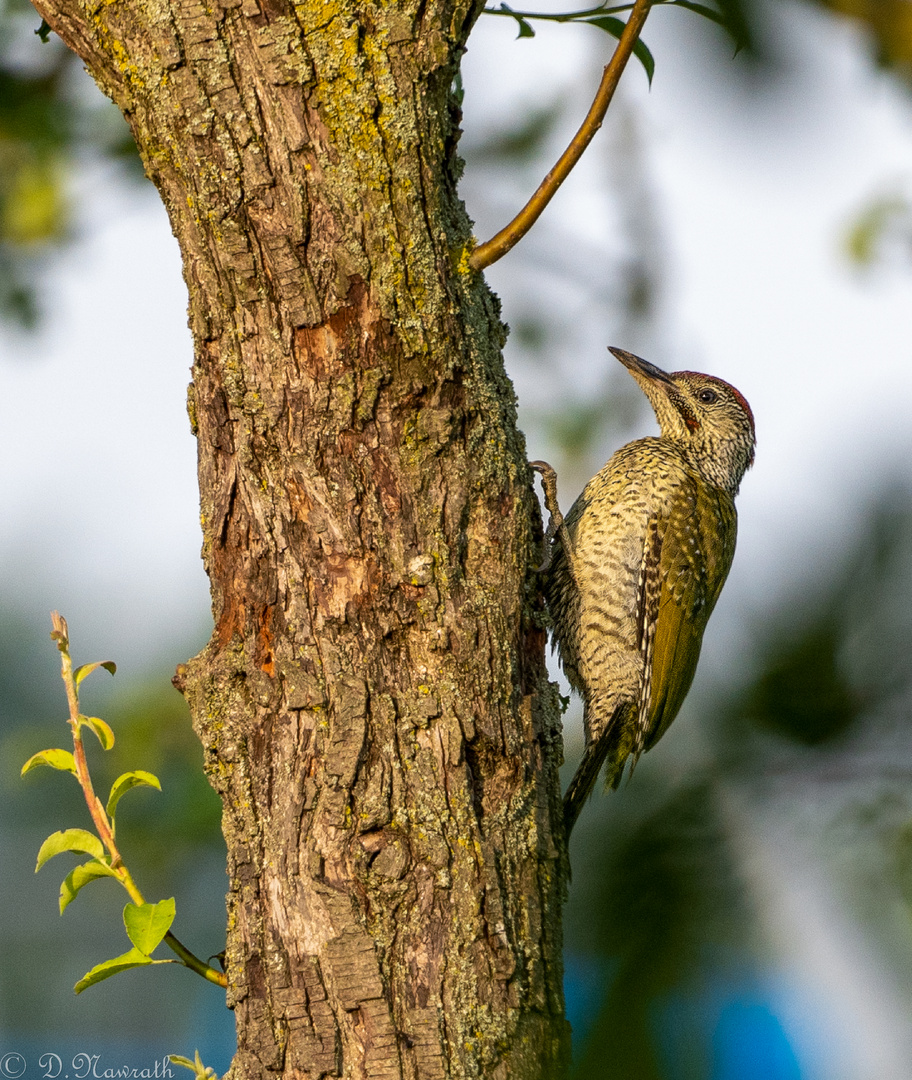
{"points": [[555, 519]]}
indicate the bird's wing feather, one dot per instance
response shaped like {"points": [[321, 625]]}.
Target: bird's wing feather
{"points": [[697, 553], [649, 591]]}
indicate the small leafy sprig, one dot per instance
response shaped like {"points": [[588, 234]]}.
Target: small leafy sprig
{"points": [[628, 44], [147, 925], [602, 16], [510, 235]]}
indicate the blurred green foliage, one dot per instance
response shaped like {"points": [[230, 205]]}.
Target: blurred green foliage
{"points": [[50, 114], [51, 117], [666, 900], [881, 232], [889, 23], [663, 891], [801, 693]]}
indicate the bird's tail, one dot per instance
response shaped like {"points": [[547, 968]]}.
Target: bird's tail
{"points": [[584, 778]]}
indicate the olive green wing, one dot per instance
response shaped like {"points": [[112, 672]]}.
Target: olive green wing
{"points": [[696, 555]]}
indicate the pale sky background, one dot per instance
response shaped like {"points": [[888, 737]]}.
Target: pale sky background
{"points": [[753, 198], [753, 195]]}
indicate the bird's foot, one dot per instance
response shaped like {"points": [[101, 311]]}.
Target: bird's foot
{"points": [[556, 518]]}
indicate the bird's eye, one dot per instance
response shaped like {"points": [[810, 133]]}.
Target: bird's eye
{"points": [[708, 396]]}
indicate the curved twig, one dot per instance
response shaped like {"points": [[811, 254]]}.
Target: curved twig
{"points": [[499, 245]]}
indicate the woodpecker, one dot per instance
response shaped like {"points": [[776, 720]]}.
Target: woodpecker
{"points": [[634, 571]]}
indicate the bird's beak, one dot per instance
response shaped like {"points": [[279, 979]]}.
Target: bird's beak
{"points": [[659, 387], [637, 366]]}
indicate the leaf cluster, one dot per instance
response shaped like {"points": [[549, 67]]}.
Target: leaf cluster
{"points": [[147, 925], [604, 17]]}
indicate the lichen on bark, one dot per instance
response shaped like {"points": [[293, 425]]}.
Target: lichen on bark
{"points": [[373, 703]]}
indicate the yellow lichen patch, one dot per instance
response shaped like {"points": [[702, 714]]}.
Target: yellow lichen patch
{"points": [[461, 258], [125, 65]]}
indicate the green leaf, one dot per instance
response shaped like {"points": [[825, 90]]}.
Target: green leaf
{"points": [[700, 9], [147, 924], [645, 57], [80, 876], [730, 17], [615, 27], [138, 778], [133, 958], [86, 669], [101, 729], [70, 840], [610, 24], [203, 1072], [525, 27], [56, 759]]}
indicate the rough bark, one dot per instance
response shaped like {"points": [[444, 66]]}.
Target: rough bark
{"points": [[373, 702]]}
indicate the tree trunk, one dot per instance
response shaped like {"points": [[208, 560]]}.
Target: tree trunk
{"points": [[373, 703]]}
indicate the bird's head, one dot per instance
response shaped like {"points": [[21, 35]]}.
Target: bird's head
{"points": [[707, 417]]}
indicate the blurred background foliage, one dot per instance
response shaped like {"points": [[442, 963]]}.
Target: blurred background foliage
{"points": [[50, 115], [671, 918], [678, 924]]}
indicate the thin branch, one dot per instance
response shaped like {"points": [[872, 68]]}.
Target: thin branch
{"points": [[499, 245], [565, 16], [588, 15]]}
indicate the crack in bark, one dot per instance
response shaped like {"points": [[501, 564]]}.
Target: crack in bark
{"points": [[373, 704]]}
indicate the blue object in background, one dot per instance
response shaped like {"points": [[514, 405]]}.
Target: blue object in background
{"points": [[586, 980], [749, 1043], [723, 1029]]}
